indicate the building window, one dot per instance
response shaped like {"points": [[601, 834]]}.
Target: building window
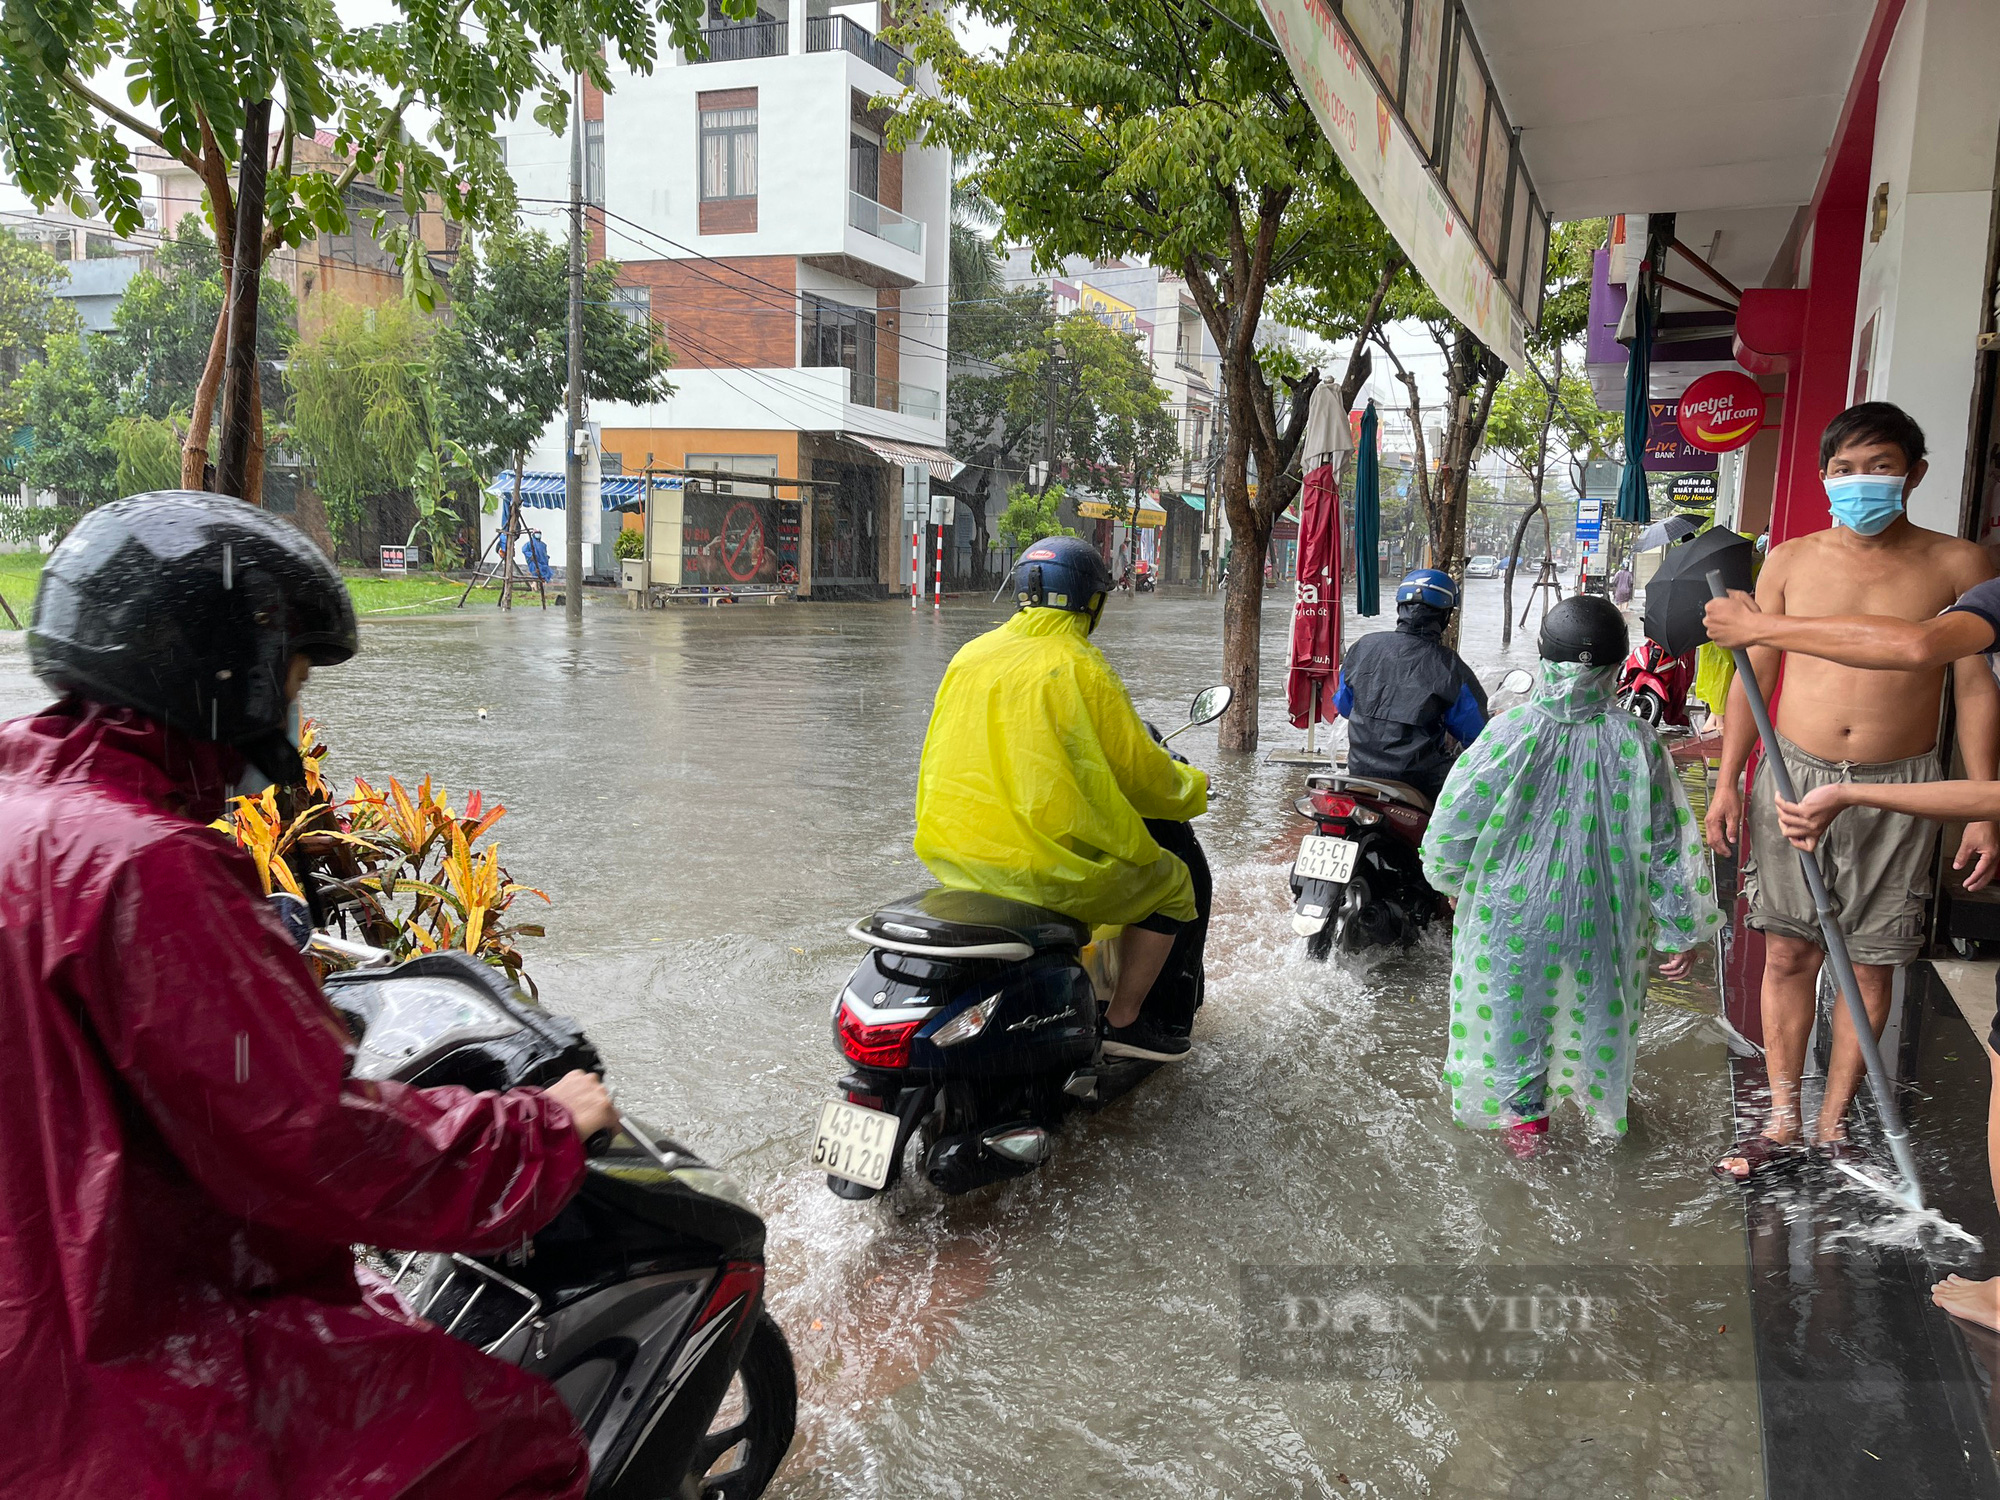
{"points": [[841, 337], [864, 167], [633, 303], [729, 153], [593, 162]]}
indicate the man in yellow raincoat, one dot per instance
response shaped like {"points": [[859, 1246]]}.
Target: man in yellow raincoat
{"points": [[1038, 777]]}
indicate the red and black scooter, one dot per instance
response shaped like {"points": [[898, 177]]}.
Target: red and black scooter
{"points": [[1654, 687], [1357, 881]]}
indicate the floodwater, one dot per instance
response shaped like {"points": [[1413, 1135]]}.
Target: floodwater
{"points": [[709, 797]]}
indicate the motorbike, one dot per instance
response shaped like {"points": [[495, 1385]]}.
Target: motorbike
{"points": [[1654, 686], [1142, 578], [971, 1029], [1358, 879], [642, 1302]]}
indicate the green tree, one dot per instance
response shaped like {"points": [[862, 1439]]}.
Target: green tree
{"points": [[1172, 132], [984, 423], [165, 323], [1032, 514], [201, 71], [67, 414], [502, 361], [149, 453], [365, 406], [29, 276], [1547, 409]]}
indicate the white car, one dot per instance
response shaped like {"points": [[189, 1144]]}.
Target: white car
{"points": [[1483, 567]]}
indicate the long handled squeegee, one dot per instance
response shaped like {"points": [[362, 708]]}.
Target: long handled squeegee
{"points": [[1912, 1192]]}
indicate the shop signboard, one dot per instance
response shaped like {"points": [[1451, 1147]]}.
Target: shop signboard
{"points": [[1379, 103], [395, 560], [1666, 451], [738, 540], [1691, 491], [1720, 412]]}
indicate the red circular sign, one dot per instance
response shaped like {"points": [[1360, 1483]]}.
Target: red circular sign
{"points": [[1721, 411]]}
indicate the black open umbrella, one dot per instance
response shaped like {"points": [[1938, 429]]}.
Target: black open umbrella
{"points": [[1678, 593]]}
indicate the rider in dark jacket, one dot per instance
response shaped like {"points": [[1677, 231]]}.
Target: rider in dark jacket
{"points": [[1410, 704]]}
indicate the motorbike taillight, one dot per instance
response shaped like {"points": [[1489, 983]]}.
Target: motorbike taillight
{"points": [[886, 1045], [1332, 805]]}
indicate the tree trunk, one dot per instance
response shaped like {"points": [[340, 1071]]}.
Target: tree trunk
{"points": [[233, 468], [1513, 552], [1243, 604], [194, 446]]}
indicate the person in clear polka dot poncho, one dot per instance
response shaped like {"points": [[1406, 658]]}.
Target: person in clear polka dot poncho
{"points": [[1568, 844]]}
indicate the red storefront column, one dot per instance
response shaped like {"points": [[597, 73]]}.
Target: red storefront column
{"points": [[1809, 332]]}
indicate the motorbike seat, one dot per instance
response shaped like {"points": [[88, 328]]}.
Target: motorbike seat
{"points": [[942, 923], [1395, 791]]}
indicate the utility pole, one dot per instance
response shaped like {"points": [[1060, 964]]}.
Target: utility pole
{"points": [[573, 455]]}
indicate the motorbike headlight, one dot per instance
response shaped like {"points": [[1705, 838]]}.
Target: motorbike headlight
{"points": [[713, 1184], [967, 1024]]}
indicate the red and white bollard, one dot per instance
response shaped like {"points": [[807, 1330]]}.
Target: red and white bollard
{"points": [[916, 562], [937, 573]]}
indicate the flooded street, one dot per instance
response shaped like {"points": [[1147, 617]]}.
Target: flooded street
{"points": [[710, 797]]}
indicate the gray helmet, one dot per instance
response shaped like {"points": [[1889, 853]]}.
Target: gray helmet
{"points": [[189, 608]]}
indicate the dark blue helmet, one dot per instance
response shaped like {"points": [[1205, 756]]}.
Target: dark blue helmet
{"points": [[1063, 572], [1432, 586]]}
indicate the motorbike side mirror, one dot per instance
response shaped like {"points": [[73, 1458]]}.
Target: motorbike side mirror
{"points": [[1517, 681], [1210, 704], [296, 916]]}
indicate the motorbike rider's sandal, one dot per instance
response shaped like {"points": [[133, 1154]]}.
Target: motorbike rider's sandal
{"points": [[1144, 1039]]}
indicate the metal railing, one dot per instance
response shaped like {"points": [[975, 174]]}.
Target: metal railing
{"points": [[735, 43], [838, 34], [878, 219], [893, 395]]}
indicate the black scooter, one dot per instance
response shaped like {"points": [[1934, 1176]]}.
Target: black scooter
{"points": [[971, 1030], [642, 1301]]}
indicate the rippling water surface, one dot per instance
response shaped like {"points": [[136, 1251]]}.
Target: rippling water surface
{"points": [[710, 797]]}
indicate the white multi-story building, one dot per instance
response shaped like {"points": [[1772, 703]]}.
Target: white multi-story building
{"points": [[798, 269]]}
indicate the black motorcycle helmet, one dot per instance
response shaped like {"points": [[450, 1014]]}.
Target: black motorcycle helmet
{"points": [[189, 608], [1587, 629]]}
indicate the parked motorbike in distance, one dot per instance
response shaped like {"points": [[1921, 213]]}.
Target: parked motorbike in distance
{"points": [[1358, 879], [1654, 687], [971, 1029], [642, 1301], [1142, 578]]}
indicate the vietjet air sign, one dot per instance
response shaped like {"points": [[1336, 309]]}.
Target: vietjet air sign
{"points": [[1721, 411]]}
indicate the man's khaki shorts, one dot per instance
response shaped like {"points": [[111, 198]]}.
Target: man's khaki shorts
{"points": [[1876, 864]]}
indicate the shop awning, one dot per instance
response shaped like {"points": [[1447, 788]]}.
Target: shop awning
{"points": [[545, 491], [1098, 508], [941, 464], [1194, 502]]}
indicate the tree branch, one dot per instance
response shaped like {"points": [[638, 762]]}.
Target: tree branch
{"points": [[68, 79]]}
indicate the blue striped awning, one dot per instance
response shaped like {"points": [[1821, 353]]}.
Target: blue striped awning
{"points": [[545, 491]]}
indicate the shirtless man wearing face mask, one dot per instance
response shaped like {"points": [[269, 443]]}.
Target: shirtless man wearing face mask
{"points": [[1838, 723]]}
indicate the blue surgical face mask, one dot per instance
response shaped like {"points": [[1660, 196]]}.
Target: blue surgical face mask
{"points": [[1865, 503]]}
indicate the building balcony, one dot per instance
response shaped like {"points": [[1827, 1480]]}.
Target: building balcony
{"points": [[838, 34], [893, 395], [882, 221], [749, 39]]}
